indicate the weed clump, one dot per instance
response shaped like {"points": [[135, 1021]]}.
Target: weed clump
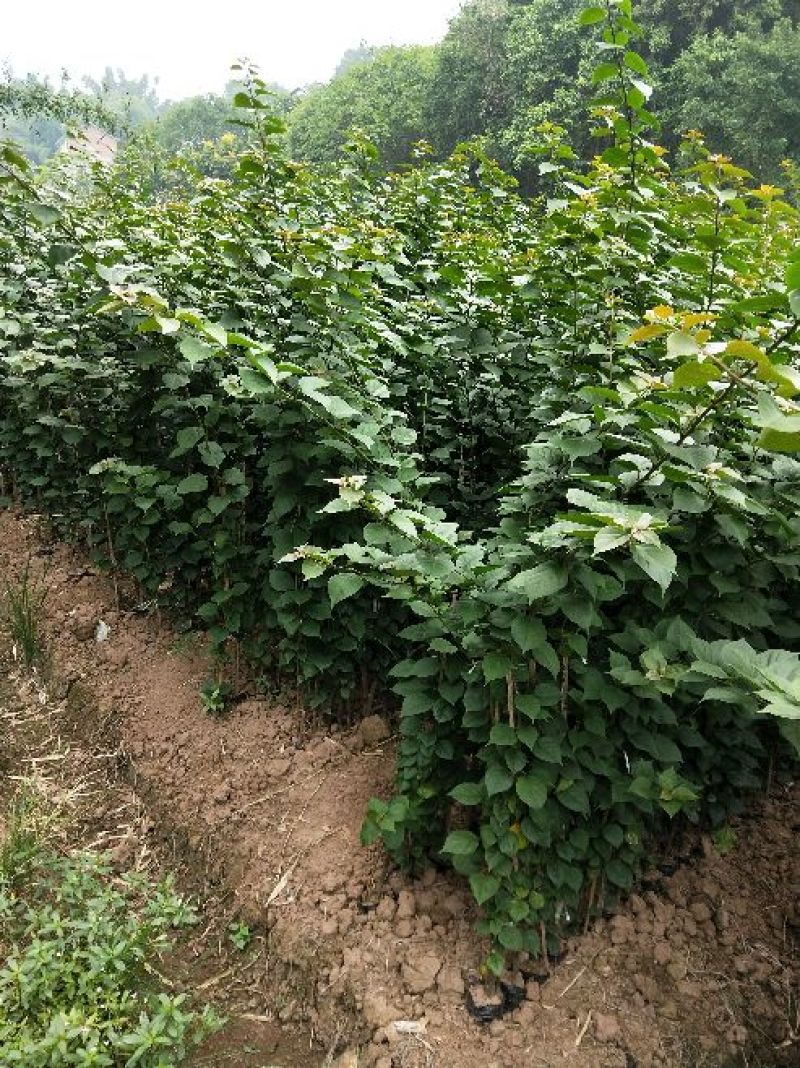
{"points": [[23, 607], [77, 983]]}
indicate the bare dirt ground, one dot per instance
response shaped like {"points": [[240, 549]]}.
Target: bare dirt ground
{"points": [[263, 812]]}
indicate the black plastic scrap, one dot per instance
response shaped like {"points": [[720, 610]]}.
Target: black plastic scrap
{"points": [[513, 996]]}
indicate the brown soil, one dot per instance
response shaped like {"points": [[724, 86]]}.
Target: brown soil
{"points": [[699, 969]]}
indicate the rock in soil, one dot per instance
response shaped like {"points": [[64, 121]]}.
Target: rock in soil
{"points": [[419, 974], [606, 1028]]}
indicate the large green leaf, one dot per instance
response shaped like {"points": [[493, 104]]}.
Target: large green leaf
{"points": [[681, 344], [192, 484], [44, 214], [483, 886], [532, 789], [541, 581], [344, 585], [527, 633], [502, 734], [694, 374], [592, 15], [195, 351], [468, 793], [498, 779], [460, 843], [657, 561], [496, 666]]}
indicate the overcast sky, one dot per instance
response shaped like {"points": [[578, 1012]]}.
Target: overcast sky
{"points": [[190, 45]]}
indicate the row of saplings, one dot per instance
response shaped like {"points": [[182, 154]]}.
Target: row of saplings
{"points": [[534, 460]]}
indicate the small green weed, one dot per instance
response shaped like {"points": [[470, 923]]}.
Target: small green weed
{"points": [[24, 601], [77, 944], [216, 697], [20, 843], [187, 642], [725, 840], [240, 935]]}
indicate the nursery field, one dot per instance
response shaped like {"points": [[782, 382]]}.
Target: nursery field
{"points": [[258, 815], [419, 561]]}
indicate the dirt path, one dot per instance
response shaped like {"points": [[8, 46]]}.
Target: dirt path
{"points": [[700, 969]]}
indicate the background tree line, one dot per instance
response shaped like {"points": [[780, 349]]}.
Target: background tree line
{"points": [[36, 114], [728, 67]]}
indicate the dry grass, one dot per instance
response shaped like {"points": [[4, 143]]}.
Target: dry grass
{"points": [[71, 798]]}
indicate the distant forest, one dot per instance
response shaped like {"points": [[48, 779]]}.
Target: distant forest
{"points": [[505, 67]]}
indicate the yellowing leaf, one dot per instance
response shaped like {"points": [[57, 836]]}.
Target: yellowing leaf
{"points": [[646, 333], [691, 319], [744, 350], [766, 192], [786, 377], [779, 441]]}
